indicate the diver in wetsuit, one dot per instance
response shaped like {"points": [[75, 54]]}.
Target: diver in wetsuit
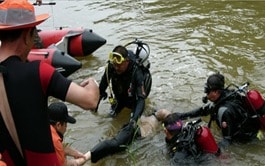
{"points": [[129, 80], [189, 143], [228, 110], [126, 83]]}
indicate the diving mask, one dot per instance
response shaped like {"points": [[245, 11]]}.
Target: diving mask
{"points": [[116, 57]]}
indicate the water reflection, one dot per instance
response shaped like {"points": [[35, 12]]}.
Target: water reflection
{"points": [[188, 39]]}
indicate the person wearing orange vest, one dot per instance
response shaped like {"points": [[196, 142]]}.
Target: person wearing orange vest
{"points": [[59, 118]]}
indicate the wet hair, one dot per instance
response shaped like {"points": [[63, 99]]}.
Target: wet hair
{"points": [[173, 124], [216, 81], [122, 50]]}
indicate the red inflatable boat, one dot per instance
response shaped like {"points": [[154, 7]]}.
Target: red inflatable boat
{"points": [[63, 62], [75, 42], [59, 47]]}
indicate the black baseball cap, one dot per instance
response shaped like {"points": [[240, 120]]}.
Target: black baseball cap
{"points": [[58, 112]]}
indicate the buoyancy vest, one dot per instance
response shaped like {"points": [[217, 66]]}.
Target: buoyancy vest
{"points": [[184, 142], [242, 124]]}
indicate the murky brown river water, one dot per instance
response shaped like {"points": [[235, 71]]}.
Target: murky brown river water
{"points": [[188, 39]]}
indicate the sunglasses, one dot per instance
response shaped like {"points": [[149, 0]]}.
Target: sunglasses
{"points": [[117, 58]]}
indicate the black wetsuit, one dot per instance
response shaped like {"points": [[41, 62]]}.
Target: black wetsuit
{"points": [[127, 88], [240, 126], [28, 86], [117, 144]]}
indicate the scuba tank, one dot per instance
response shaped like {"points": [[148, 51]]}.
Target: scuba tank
{"points": [[256, 103], [139, 52], [206, 141], [204, 138]]}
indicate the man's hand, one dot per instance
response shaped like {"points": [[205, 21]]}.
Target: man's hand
{"points": [[87, 81]]}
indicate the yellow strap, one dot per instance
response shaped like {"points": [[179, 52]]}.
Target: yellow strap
{"points": [[108, 80]]}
